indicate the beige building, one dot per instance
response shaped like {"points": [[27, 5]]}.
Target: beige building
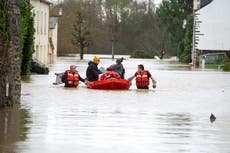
{"points": [[41, 9], [53, 35]]}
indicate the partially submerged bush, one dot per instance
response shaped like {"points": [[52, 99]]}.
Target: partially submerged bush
{"points": [[141, 54], [226, 66]]}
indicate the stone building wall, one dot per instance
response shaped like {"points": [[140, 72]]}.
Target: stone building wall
{"points": [[10, 56]]}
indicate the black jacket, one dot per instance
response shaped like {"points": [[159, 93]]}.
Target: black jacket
{"points": [[92, 71]]}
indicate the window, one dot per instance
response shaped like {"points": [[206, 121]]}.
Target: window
{"points": [[41, 22], [40, 54], [45, 23], [37, 29], [35, 20], [37, 51], [45, 55]]}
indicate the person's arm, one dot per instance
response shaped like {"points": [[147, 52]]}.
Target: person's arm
{"points": [[99, 72], [95, 72], [132, 77], [153, 80], [64, 78], [123, 72], [81, 79], [109, 69]]}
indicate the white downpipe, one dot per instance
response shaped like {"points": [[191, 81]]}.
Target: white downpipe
{"points": [[203, 63], [7, 87]]}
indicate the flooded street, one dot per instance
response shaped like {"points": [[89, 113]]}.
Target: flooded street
{"points": [[173, 118]]}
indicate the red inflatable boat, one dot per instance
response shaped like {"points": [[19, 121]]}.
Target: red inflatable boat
{"points": [[111, 84], [110, 80]]}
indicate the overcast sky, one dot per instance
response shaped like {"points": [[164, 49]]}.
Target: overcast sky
{"points": [[157, 1]]}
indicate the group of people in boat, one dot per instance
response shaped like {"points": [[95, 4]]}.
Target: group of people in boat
{"points": [[71, 77]]}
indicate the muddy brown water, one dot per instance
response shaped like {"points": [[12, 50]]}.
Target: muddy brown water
{"points": [[173, 118]]}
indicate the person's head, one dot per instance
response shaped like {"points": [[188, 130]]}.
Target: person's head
{"points": [[73, 68], [119, 60], [96, 59], [140, 67]]}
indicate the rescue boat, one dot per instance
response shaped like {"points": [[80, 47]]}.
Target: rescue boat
{"points": [[110, 80], [111, 84]]}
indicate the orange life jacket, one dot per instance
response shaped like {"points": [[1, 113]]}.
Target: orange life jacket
{"points": [[73, 77], [110, 74], [142, 80]]}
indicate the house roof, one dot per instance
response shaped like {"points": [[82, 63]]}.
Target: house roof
{"points": [[203, 3], [53, 22], [46, 1], [43, 1], [213, 32]]}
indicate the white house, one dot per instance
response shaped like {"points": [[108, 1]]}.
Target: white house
{"points": [[41, 9], [212, 29]]}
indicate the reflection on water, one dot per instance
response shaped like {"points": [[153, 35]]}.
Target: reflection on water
{"points": [[175, 127], [13, 122], [173, 118]]}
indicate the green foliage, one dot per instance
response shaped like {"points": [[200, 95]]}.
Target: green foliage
{"points": [[141, 54], [4, 31], [171, 15], [129, 23], [226, 66], [213, 65], [26, 36]]}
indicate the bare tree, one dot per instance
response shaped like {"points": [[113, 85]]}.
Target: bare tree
{"points": [[81, 33]]}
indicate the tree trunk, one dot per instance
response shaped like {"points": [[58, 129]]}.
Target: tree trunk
{"points": [[10, 79], [81, 52]]}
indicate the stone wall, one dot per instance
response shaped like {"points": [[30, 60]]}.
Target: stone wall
{"points": [[10, 56]]}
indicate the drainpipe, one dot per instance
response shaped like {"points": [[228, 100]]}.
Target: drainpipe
{"points": [[193, 39]]}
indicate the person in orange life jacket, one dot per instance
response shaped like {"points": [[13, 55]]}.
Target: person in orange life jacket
{"points": [[71, 77], [142, 78]]}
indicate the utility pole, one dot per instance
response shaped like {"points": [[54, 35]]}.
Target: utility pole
{"points": [[112, 49]]}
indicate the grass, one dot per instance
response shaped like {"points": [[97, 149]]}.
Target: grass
{"points": [[214, 65]]}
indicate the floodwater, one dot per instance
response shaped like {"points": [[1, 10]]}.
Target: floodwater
{"points": [[173, 118]]}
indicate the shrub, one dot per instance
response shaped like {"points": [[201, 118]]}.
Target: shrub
{"points": [[226, 66], [141, 54]]}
